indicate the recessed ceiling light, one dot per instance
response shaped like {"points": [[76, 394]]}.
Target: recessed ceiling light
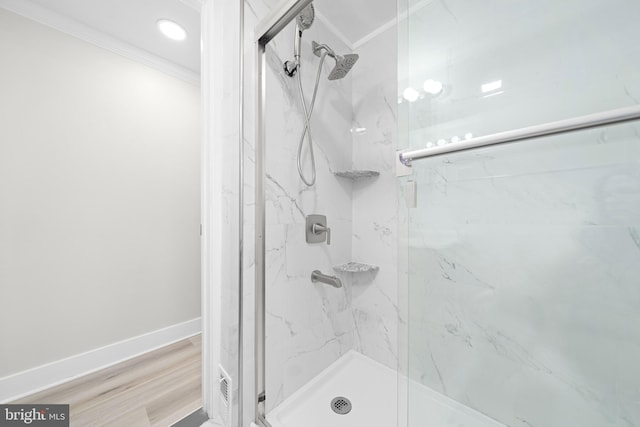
{"points": [[171, 29]]}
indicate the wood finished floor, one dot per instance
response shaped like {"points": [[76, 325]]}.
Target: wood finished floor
{"points": [[153, 390]]}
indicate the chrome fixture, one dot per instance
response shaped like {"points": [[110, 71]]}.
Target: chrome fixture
{"points": [[344, 64], [303, 22], [317, 276], [590, 121], [317, 230], [340, 70], [341, 405]]}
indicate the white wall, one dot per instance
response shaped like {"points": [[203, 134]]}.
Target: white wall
{"points": [[99, 196]]}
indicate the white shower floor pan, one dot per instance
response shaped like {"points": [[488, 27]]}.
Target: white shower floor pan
{"points": [[372, 389]]}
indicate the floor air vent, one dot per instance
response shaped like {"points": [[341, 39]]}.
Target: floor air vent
{"points": [[341, 405], [226, 394], [224, 390]]}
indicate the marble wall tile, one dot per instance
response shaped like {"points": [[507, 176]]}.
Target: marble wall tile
{"points": [[308, 325], [375, 212]]}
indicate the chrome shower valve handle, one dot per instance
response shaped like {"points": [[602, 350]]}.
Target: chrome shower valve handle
{"points": [[317, 230]]}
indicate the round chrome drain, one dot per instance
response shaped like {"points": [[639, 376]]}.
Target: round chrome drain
{"points": [[341, 405]]}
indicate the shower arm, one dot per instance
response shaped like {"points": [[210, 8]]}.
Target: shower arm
{"points": [[318, 47]]}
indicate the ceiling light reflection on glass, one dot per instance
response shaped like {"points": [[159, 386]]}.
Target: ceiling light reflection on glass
{"points": [[455, 139], [410, 94], [490, 87], [171, 29], [432, 87]]}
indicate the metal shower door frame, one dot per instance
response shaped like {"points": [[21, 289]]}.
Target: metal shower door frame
{"points": [[265, 31]]}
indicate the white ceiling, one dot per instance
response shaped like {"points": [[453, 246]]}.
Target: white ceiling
{"points": [[134, 22]]}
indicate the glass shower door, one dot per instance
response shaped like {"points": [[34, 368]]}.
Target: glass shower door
{"points": [[523, 259]]}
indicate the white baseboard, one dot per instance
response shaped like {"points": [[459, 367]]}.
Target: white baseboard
{"points": [[39, 378]]}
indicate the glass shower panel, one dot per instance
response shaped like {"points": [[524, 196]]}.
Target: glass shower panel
{"points": [[476, 68], [524, 259], [524, 272]]}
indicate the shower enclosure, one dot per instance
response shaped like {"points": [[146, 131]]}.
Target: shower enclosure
{"points": [[466, 251], [326, 275]]}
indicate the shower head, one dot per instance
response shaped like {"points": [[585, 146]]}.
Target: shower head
{"points": [[306, 17], [343, 63]]}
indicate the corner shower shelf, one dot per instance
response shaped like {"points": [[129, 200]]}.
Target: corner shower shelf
{"points": [[356, 267], [356, 174]]}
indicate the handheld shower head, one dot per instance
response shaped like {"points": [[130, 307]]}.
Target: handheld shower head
{"points": [[344, 64], [306, 17], [303, 22]]}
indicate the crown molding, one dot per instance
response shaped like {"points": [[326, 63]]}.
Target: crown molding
{"points": [[88, 34], [193, 4]]}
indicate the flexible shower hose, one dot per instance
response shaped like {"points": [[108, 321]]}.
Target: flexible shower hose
{"points": [[307, 124]]}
